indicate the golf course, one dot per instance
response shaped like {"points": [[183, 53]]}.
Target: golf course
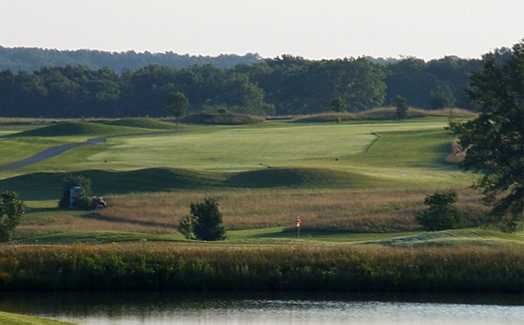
{"points": [[356, 185], [352, 182]]}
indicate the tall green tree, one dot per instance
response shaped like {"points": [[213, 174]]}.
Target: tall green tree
{"points": [[339, 105], [494, 142], [11, 210], [441, 97], [176, 104], [402, 107]]}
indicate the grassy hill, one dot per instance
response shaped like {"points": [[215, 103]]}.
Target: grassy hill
{"points": [[14, 319], [382, 114], [37, 186], [222, 119], [62, 129], [144, 123]]}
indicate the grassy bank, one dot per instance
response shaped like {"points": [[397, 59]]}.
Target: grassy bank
{"points": [[15, 319], [383, 114], [240, 267]]}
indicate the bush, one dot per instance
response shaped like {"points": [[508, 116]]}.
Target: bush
{"points": [[11, 210], [441, 213], [84, 201], [204, 223]]}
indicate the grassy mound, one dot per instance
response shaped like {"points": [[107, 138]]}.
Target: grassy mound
{"points": [[222, 119], [38, 186], [77, 129], [144, 123], [15, 319], [384, 113], [298, 177], [49, 185]]}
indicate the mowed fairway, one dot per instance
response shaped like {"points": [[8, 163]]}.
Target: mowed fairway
{"points": [[387, 150], [353, 182]]}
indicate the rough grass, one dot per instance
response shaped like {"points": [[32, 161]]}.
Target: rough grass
{"points": [[383, 113], [343, 211], [322, 210], [15, 319], [222, 119]]}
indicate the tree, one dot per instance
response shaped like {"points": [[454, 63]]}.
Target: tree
{"points": [[442, 96], [83, 200], [338, 105], [11, 211], [494, 142], [204, 223], [177, 103], [441, 212], [402, 107]]}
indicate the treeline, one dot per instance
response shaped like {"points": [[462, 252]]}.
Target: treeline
{"points": [[32, 59], [281, 86]]}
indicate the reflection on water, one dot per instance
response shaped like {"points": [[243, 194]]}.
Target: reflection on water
{"points": [[159, 309]]}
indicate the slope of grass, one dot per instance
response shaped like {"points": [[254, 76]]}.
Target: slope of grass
{"points": [[222, 119], [48, 185], [382, 114], [78, 129], [17, 149], [144, 123], [299, 177], [15, 319]]}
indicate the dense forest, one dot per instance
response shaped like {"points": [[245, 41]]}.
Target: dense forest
{"points": [[32, 59], [284, 85]]}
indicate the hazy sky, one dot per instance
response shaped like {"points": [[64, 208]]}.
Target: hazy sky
{"points": [[309, 28]]}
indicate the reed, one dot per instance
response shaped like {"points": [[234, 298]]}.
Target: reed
{"points": [[149, 266]]}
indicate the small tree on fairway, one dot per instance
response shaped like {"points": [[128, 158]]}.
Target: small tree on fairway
{"points": [[441, 212], [84, 201], [11, 210], [205, 222], [401, 105], [176, 104]]}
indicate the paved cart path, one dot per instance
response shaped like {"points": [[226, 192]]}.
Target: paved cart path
{"points": [[47, 154]]}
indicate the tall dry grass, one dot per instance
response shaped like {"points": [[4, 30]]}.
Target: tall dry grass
{"points": [[217, 267], [321, 210]]}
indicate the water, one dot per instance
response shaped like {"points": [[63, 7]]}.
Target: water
{"points": [[158, 309]]}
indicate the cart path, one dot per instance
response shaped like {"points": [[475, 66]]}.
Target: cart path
{"points": [[47, 154]]}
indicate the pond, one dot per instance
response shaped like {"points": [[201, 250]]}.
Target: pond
{"points": [[262, 309]]}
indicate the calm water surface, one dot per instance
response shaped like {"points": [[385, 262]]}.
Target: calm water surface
{"points": [[157, 309]]}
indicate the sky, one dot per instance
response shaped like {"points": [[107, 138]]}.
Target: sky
{"points": [[308, 28]]}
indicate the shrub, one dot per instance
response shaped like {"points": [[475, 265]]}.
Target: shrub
{"points": [[441, 212], [204, 223], [185, 227], [11, 210], [84, 201]]}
